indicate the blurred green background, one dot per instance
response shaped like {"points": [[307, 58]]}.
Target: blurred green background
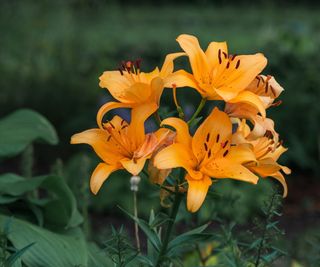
{"points": [[52, 53]]}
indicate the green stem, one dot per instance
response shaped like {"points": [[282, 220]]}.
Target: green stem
{"points": [[200, 107], [268, 214], [136, 227], [173, 215]]}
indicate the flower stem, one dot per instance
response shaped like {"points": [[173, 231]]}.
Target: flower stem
{"points": [[200, 107], [173, 215], [136, 227]]}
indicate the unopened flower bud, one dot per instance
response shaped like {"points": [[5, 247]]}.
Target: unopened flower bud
{"points": [[134, 182]]}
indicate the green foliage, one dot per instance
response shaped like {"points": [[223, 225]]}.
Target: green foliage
{"points": [[119, 248], [44, 229], [257, 246], [21, 128]]}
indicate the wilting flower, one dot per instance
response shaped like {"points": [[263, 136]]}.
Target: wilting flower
{"points": [[121, 145], [207, 154], [132, 88], [216, 75], [267, 152], [267, 88]]}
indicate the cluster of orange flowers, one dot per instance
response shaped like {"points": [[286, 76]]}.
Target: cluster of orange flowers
{"points": [[216, 150]]}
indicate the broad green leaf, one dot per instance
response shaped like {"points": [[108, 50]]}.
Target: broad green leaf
{"points": [[145, 227], [15, 185], [62, 211], [21, 128], [49, 249], [60, 208]]}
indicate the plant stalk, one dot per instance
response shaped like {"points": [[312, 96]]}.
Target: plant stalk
{"points": [[200, 107], [136, 227], [175, 208]]}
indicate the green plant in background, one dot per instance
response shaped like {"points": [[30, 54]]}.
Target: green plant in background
{"points": [[39, 215]]}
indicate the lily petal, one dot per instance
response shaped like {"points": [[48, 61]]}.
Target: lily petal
{"points": [[197, 57], [177, 155], [182, 130], [213, 54], [213, 132], [107, 107], [231, 166], [167, 67], [100, 174], [197, 192], [139, 115], [134, 166], [97, 138], [181, 78], [251, 99], [236, 79]]}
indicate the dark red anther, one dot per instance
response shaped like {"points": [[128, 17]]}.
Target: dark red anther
{"points": [[208, 137], [205, 146], [121, 71], [233, 57], [219, 56], [238, 64], [228, 64], [277, 104], [224, 144], [225, 55], [258, 77], [138, 63], [272, 90], [267, 87], [111, 124], [209, 153], [109, 137], [225, 153], [218, 137]]}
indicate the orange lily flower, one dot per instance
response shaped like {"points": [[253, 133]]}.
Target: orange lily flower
{"points": [[121, 145], [217, 75], [132, 88], [267, 152], [267, 88], [207, 154]]}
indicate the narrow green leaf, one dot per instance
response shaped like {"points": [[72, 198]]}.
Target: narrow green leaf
{"points": [[14, 257], [145, 227]]}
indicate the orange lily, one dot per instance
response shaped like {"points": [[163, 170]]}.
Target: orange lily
{"points": [[217, 75], [207, 154], [132, 88], [267, 152], [267, 88], [121, 145]]}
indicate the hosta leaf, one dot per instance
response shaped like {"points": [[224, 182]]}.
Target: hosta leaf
{"points": [[60, 210], [49, 249], [21, 128]]}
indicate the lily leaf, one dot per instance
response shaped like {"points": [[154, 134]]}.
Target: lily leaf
{"points": [[145, 227], [194, 235]]}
